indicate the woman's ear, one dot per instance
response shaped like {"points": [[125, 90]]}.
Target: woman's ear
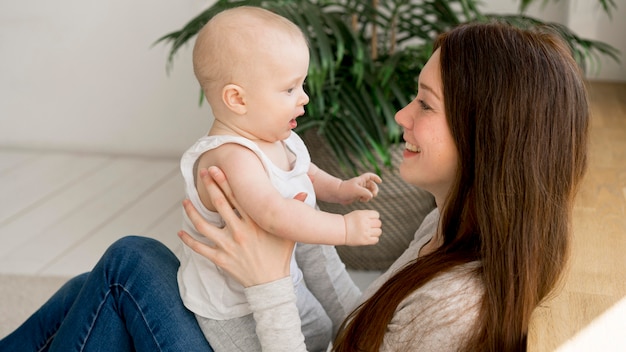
{"points": [[233, 97]]}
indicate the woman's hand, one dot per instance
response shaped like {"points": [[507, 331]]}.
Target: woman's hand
{"points": [[242, 249]]}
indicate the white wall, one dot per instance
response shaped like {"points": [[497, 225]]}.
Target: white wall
{"points": [[82, 75], [588, 20]]}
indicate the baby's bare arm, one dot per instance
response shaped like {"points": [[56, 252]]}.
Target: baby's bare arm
{"points": [[287, 218]]}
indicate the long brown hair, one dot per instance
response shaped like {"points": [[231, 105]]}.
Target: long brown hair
{"points": [[517, 109]]}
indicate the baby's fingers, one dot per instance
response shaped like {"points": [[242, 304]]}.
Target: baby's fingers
{"points": [[374, 178], [375, 224], [371, 184]]}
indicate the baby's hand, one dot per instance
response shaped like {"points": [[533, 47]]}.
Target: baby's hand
{"points": [[363, 227], [362, 188]]}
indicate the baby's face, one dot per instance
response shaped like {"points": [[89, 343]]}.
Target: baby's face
{"points": [[275, 94]]}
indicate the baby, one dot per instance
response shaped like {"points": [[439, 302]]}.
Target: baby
{"points": [[251, 65]]}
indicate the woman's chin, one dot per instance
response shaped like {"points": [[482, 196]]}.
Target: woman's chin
{"points": [[410, 173], [405, 172]]}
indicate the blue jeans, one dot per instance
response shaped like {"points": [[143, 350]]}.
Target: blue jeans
{"points": [[128, 302]]}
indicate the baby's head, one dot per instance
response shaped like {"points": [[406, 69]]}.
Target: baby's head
{"points": [[242, 46]]}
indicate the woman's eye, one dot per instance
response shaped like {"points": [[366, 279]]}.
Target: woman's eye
{"points": [[423, 105]]}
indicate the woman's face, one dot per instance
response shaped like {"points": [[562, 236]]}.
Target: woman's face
{"points": [[430, 158]]}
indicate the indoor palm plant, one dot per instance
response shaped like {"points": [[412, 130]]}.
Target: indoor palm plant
{"points": [[365, 57]]}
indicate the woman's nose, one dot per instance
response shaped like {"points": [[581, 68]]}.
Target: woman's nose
{"points": [[400, 117]]}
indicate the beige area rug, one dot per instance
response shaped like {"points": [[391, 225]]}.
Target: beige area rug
{"points": [[21, 295]]}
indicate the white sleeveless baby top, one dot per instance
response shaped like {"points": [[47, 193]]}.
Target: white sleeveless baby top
{"points": [[204, 288]]}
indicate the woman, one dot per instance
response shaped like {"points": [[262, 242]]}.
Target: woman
{"points": [[498, 134], [517, 113]]}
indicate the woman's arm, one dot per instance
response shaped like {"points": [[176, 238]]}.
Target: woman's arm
{"points": [[277, 318], [255, 258]]}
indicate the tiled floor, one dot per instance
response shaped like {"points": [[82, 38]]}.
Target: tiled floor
{"points": [[59, 212]]}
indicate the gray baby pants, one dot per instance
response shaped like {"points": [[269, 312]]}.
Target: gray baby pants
{"points": [[333, 296]]}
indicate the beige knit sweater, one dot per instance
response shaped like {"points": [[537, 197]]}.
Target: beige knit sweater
{"points": [[437, 317]]}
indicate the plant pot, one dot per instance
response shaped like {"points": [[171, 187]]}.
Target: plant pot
{"points": [[402, 208]]}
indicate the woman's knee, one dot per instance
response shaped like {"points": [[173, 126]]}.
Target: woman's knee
{"points": [[131, 246], [74, 285], [136, 253], [133, 243]]}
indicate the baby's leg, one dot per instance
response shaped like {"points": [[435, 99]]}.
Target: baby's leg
{"points": [[327, 278], [236, 334], [316, 325]]}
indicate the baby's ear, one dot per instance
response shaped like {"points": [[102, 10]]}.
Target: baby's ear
{"points": [[233, 98]]}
